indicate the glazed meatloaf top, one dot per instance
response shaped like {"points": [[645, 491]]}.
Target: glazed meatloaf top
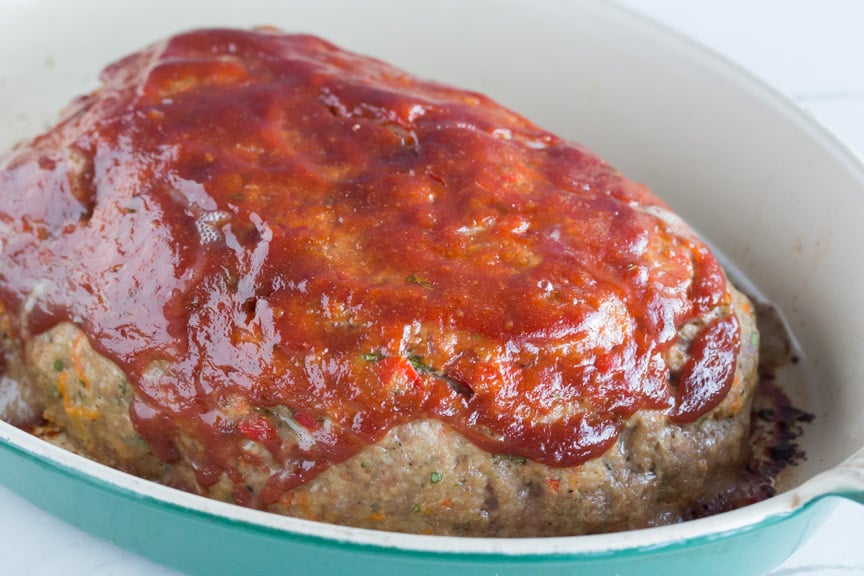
{"points": [[276, 257]]}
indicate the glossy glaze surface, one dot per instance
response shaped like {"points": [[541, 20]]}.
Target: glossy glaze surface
{"points": [[243, 220]]}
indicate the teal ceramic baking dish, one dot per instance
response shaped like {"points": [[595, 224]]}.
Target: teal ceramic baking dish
{"points": [[773, 192]]}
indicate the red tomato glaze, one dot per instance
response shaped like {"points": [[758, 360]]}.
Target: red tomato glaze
{"points": [[243, 220]]}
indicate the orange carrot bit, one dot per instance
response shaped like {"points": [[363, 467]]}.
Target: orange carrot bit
{"points": [[554, 483], [306, 505], [446, 503], [377, 517], [299, 503], [73, 410], [61, 387], [83, 413], [287, 499], [76, 344]]}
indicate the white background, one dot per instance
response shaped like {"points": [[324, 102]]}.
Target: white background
{"points": [[809, 50]]}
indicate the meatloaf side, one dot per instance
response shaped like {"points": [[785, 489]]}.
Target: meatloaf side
{"points": [[423, 476], [263, 269]]}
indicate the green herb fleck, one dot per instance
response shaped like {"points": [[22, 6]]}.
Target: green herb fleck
{"points": [[124, 387], [509, 457], [136, 441], [365, 464], [421, 367], [58, 365], [435, 477], [373, 357], [420, 281], [418, 364], [415, 508]]}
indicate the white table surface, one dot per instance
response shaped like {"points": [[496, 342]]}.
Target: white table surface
{"points": [[808, 50]]}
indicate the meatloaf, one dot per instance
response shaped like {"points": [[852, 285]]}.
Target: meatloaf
{"points": [[260, 268]]}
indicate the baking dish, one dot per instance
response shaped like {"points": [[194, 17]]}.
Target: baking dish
{"points": [[766, 186]]}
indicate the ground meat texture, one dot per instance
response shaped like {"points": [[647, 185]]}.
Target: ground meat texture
{"points": [[423, 476], [260, 268]]}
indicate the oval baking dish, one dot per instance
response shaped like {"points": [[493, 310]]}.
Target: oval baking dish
{"points": [[775, 195]]}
